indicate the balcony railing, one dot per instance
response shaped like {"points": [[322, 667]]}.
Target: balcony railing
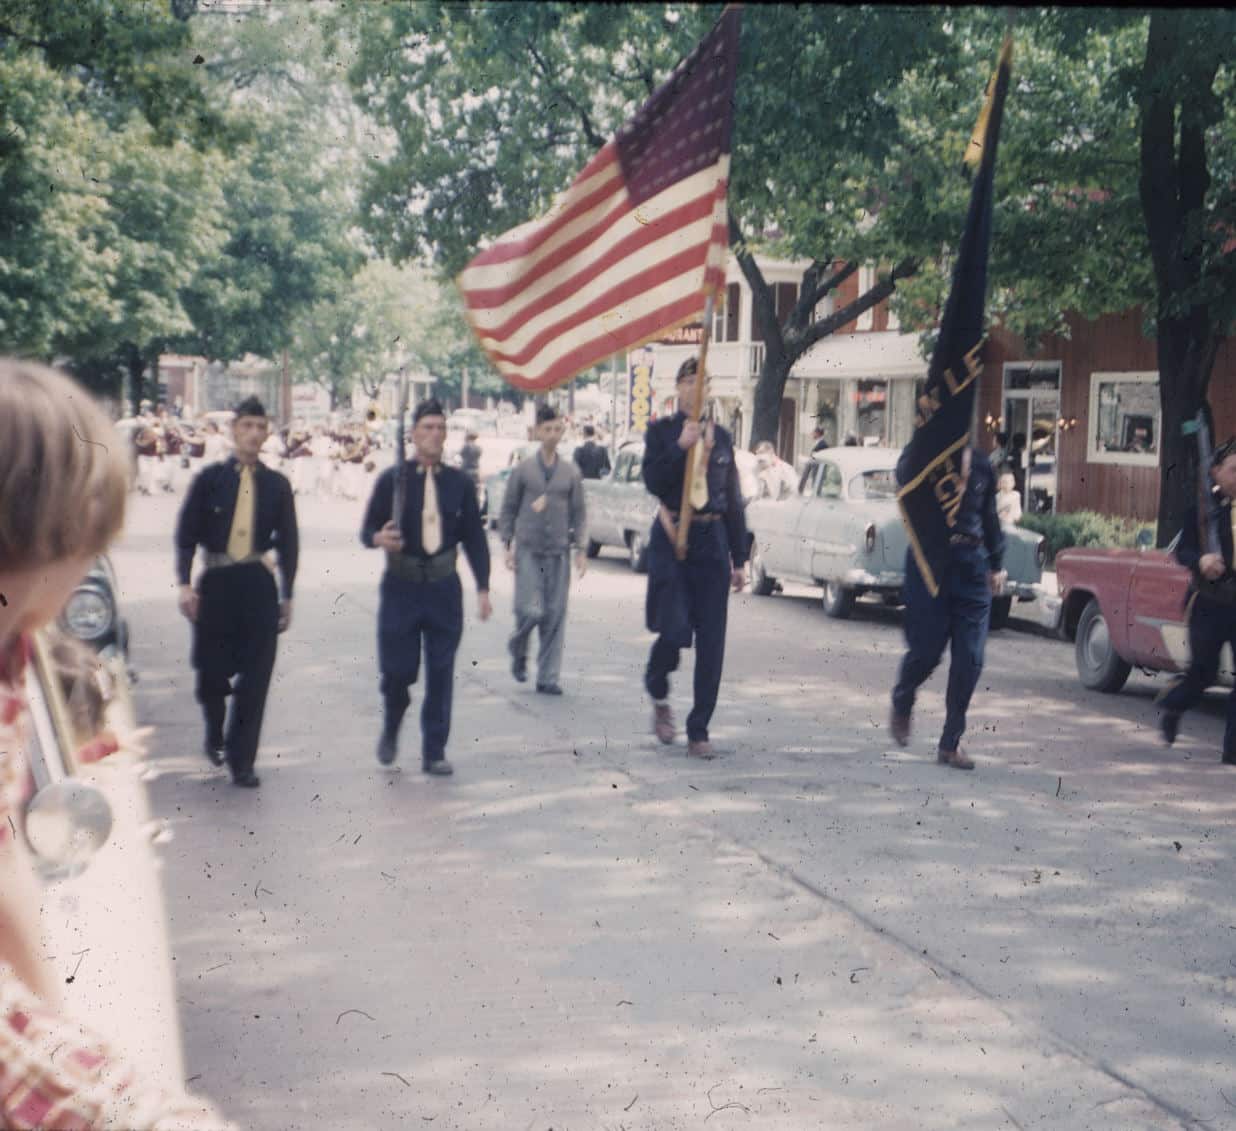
{"points": [[741, 360]]}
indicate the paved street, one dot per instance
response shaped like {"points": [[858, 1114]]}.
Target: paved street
{"points": [[581, 930]]}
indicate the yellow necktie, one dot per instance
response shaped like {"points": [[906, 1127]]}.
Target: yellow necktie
{"points": [[240, 540], [431, 520], [699, 476]]}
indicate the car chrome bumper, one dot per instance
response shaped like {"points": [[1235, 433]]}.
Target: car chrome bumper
{"points": [[886, 579]]}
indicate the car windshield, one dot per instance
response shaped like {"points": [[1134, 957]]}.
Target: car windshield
{"points": [[878, 483]]}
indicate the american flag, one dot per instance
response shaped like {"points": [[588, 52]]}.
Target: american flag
{"points": [[632, 248]]}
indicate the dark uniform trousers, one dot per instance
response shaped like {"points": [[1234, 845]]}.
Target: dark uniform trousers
{"points": [[689, 599], [235, 635], [412, 615], [958, 616], [1211, 625]]}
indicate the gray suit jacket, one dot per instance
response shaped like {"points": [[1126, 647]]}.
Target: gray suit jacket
{"points": [[556, 526]]}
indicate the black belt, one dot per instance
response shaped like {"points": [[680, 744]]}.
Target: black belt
{"points": [[433, 568], [964, 540], [697, 517]]}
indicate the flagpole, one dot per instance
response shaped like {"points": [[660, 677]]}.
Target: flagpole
{"points": [[697, 409]]}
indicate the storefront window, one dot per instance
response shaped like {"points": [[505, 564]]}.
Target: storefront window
{"points": [[1124, 418], [828, 411], [871, 411]]}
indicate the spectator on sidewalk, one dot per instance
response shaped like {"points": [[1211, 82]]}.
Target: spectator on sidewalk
{"points": [[543, 517], [63, 484], [1008, 501]]}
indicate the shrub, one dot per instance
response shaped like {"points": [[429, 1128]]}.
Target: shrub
{"points": [[1084, 528]]}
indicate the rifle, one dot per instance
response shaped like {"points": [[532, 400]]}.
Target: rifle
{"points": [[401, 457], [1210, 505]]}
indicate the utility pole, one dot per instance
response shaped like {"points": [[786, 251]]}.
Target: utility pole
{"points": [[285, 393], [613, 416], [463, 388]]}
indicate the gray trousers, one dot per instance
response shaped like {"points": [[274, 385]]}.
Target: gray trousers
{"points": [[541, 585]]}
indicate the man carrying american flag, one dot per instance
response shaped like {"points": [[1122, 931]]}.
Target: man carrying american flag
{"points": [[634, 248]]}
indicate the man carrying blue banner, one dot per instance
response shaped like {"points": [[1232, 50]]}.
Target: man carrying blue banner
{"points": [[946, 487]]}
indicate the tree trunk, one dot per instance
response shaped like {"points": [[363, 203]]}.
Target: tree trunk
{"points": [[1173, 180], [1178, 464], [134, 365]]}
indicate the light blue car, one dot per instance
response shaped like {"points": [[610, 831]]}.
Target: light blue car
{"points": [[842, 530]]}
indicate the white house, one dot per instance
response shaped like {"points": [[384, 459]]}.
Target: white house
{"points": [[861, 381]]}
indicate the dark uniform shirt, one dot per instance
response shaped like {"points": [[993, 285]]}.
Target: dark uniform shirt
{"points": [[1191, 546], [460, 516], [470, 461], [977, 516], [206, 518], [592, 459], [665, 464]]}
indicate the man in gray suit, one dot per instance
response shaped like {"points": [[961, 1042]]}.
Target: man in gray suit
{"points": [[543, 516]]}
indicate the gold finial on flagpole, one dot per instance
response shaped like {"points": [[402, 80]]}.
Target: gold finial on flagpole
{"points": [[974, 151]]}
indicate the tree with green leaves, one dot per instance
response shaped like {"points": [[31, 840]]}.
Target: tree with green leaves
{"points": [[290, 244], [381, 322], [101, 207]]}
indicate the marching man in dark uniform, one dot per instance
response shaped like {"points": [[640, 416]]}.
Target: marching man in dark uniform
{"points": [[959, 613], [1212, 610], [239, 511], [690, 598], [421, 597]]}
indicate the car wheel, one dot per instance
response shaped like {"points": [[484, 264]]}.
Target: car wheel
{"points": [[1099, 666], [1000, 608], [593, 549], [761, 584], [638, 549], [838, 600]]}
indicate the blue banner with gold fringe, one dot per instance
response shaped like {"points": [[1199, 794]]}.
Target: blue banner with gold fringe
{"points": [[929, 472]]}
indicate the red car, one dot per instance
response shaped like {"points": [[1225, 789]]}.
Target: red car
{"points": [[1125, 609]]}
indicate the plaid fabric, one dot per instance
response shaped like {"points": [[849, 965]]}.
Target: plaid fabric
{"points": [[55, 1074]]}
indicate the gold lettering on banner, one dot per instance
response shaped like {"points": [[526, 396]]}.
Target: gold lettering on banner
{"points": [[929, 402], [949, 486], [974, 370]]}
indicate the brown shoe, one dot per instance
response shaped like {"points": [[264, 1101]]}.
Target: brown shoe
{"points": [[663, 723], [899, 727], [700, 748], [955, 758]]}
